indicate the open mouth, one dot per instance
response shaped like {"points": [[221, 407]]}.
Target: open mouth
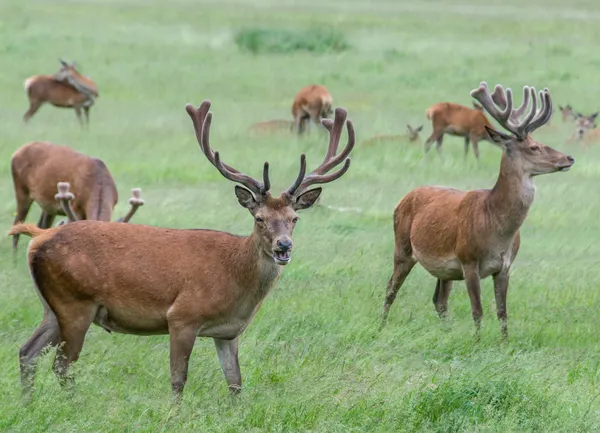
{"points": [[282, 257], [564, 167]]}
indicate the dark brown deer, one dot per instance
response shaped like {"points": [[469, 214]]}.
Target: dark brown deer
{"points": [[312, 103], [457, 235], [65, 89], [412, 135], [460, 121], [37, 168], [144, 280]]}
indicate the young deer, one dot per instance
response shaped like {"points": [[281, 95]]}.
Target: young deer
{"points": [[65, 89], [312, 103], [457, 235], [460, 121], [189, 283], [412, 135], [276, 125], [38, 167]]}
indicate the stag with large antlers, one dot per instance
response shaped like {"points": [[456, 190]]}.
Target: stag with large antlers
{"points": [[457, 235], [38, 167], [190, 283]]}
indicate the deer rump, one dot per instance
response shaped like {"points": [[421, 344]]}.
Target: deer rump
{"points": [[68, 262]]}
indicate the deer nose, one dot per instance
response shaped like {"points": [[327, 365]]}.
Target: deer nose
{"points": [[284, 244], [571, 159]]}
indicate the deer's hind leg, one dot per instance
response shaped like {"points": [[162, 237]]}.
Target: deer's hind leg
{"points": [[23, 205], [441, 295], [34, 105]]}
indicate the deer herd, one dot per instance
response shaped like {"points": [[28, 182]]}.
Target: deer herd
{"points": [[209, 283]]}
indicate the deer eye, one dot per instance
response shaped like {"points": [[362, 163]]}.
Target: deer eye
{"points": [[259, 220], [295, 220], [535, 148]]}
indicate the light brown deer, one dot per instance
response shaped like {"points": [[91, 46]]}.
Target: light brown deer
{"points": [[567, 113], [144, 280], [65, 89], [269, 126], [412, 135], [312, 102], [460, 121], [38, 167], [585, 131], [458, 235]]}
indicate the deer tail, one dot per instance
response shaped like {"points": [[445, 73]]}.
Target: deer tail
{"points": [[26, 229], [429, 113]]}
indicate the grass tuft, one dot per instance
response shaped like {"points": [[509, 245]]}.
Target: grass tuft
{"points": [[282, 41]]}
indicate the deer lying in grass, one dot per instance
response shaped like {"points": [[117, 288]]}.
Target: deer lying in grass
{"points": [[269, 126], [38, 167], [586, 131], [65, 89], [460, 121], [457, 235], [567, 113], [143, 280], [412, 135], [311, 103]]}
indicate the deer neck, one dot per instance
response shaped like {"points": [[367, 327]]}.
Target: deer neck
{"points": [[510, 199], [257, 271]]}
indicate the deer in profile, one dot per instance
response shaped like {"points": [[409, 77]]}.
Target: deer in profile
{"points": [[65, 89], [412, 135], [457, 235], [460, 121], [184, 283], [312, 103], [270, 126], [38, 167]]}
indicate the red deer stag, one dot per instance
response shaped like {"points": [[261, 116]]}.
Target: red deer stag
{"points": [[311, 103], [65, 89], [460, 121], [412, 135], [457, 235], [37, 168], [190, 283]]}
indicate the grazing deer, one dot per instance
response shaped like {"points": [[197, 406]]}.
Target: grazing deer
{"points": [[65, 89], [276, 125], [312, 103], [567, 113], [460, 121], [188, 283], [458, 235], [38, 167], [412, 135]]}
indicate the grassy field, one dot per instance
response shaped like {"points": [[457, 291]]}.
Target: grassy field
{"points": [[313, 359]]}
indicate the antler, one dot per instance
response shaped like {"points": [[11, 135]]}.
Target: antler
{"points": [[64, 196], [500, 106], [201, 118], [135, 201], [319, 175]]}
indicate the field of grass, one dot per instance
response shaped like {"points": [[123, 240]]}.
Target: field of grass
{"points": [[314, 359]]}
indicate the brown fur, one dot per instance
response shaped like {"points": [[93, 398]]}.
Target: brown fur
{"points": [[567, 113], [66, 89], [312, 103], [458, 235], [189, 283], [586, 131], [412, 135], [460, 121], [37, 168], [270, 126]]}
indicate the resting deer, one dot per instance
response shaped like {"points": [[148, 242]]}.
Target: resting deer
{"points": [[188, 283], [65, 89], [312, 103], [460, 121], [412, 135], [457, 235], [38, 167], [567, 113], [586, 129], [272, 126]]}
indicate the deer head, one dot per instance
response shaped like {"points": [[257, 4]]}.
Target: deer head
{"points": [[276, 217], [567, 112], [529, 156], [413, 134], [70, 74]]}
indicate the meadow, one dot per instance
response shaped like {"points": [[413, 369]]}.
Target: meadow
{"points": [[314, 359]]}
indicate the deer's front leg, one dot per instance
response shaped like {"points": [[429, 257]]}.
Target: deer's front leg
{"points": [[500, 291], [471, 274], [227, 351], [182, 337]]}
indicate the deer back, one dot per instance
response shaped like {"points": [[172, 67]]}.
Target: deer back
{"points": [[459, 118], [46, 88]]}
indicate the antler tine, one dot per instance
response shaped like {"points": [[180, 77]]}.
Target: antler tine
{"points": [[201, 119], [527, 93], [335, 131], [64, 196], [544, 114], [320, 179], [332, 162], [135, 202], [482, 94], [292, 189]]}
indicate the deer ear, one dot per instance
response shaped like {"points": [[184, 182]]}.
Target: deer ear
{"points": [[245, 198], [307, 199], [477, 106], [419, 128], [498, 137], [560, 107], [62, 62]]}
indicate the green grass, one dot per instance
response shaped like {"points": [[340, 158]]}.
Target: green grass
{"points": [[313, 359], [315, 40]]}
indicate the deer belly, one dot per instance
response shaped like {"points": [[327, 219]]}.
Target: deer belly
{"points": [[226, 330], [124, 323], [444, 268]]}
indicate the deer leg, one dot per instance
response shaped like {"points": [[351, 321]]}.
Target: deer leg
{"points": [[500, 291], [430, 140], [227, 351], [476, 149], [45, 220], [46, 335], [33, 107], [182, 339], [438, 145], [74, 324], [78, 114], [466, 146], [441, 295], [86, 111], [403, 264], [23, 206], [471, 275]]}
